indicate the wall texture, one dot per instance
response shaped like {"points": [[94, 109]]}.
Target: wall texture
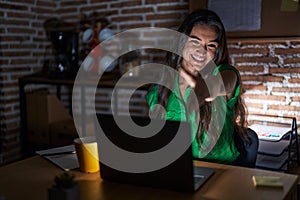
{"points": [[270, 73], [269, 67], [22, 47]]}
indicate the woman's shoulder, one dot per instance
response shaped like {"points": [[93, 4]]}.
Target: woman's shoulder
{"points": [[153, 89], [229, 70], [222, 67], [152, 94]]}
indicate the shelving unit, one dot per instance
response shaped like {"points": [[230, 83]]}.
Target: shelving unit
{"points": [[278, 145]]}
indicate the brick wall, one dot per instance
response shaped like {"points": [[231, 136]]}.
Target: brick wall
{"points": [[270, 73], [22, 44], [269, 68]]}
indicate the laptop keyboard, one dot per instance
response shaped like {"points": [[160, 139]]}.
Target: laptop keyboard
{"points": [[201, 174], [198, 178]]}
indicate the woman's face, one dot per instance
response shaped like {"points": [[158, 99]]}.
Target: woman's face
{"points": [[199, 49]]}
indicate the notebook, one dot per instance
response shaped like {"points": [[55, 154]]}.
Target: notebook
{"points": [[64, 157], [179, 175]]}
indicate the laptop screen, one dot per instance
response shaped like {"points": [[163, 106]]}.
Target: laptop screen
{"points": [[160, 157]]}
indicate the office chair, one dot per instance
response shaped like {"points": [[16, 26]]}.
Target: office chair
{"points": [[248, 149]]}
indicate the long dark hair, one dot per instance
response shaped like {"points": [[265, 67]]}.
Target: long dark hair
{"points": [[204, 17], [212, 20]]}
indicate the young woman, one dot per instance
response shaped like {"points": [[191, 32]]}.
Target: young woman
{"points": [[204, 57]]}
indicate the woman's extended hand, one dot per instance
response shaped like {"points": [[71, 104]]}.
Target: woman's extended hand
{"points": [[211, 87], [197, 83]]}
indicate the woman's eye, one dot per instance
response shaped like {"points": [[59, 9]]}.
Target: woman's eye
{"points": [[212, 46], [194, 41]]}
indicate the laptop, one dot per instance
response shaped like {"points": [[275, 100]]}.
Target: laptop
{"points": [[180, 174]]}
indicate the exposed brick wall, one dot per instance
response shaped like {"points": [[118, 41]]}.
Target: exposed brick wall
{"points": [[22, 47], [269, 68], [270, 73]]}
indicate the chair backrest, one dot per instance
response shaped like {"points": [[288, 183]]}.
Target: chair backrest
{"points": [[248, 149]]}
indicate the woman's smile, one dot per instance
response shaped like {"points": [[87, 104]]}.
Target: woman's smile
{"points": [[198, 59]]}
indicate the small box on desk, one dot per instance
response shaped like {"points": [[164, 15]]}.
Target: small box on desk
{"points": [[43, 109]]}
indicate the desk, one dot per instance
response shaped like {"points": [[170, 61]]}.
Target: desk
{"points": [[30, 178]]}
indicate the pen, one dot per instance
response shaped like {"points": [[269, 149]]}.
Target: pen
{"points": [[58, 153]]}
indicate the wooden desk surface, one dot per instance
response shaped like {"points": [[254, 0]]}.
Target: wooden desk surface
{"points": [[30, 178]]}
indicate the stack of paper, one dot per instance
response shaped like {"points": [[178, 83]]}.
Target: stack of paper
{"points": [[272, 133]]}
